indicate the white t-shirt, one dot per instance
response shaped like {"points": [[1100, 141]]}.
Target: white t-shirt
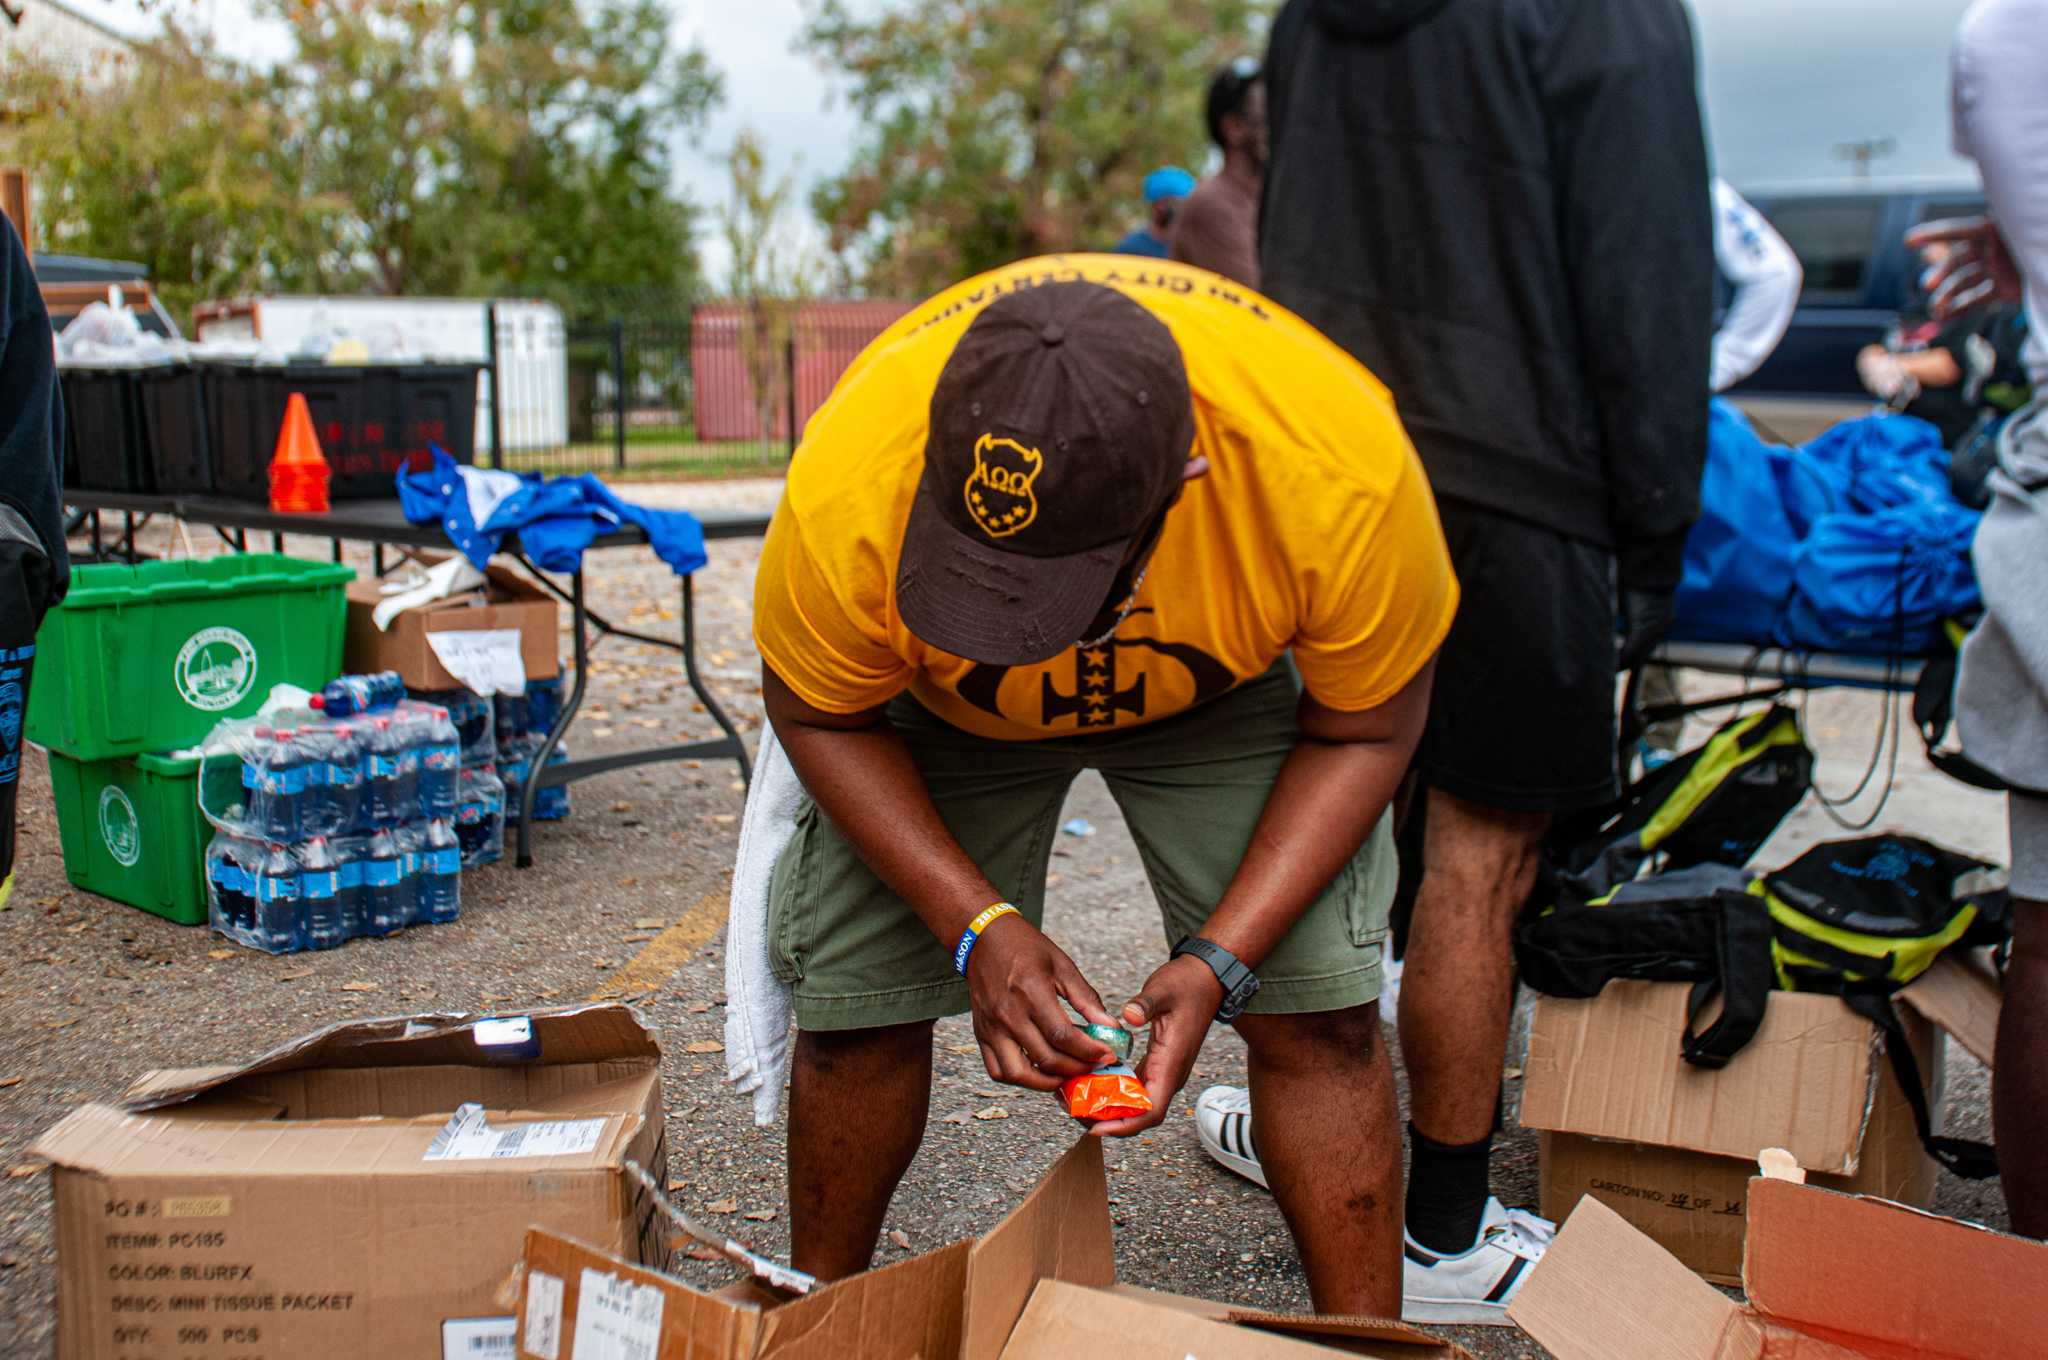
{"points": [[1766, 275]]}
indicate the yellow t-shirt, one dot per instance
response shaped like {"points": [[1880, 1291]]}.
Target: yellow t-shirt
{"points": [[1314, 530]]}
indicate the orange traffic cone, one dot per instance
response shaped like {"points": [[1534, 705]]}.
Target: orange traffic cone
{"points": [[298, 470]]}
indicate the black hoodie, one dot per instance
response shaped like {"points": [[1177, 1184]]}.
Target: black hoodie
{"points": [[31, 431], [1501, 208]]}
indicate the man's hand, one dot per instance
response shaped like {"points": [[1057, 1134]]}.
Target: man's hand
{"points": [[1017, 978], [1978, 271], [1178, 1003], [1646, 617]]}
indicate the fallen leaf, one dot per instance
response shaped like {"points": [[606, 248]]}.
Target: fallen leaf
{"points": [[546, 992], [724, 818], [963, 1048], [900, 1238], [600, 731], [602, 964], [676, 1185], [66, 1023], [80, 926], [15, 1173], [759, 1215], [700, 1008], [957, 1117], [622, 807], [992, 1112], [6, 1082], [220, 953], [488, 997], [704, 1046], [295, 975], [628, 881], [649, 923], [358, 986], [697, 1251], [985, 1094], [723, 1206], [640, 936]]}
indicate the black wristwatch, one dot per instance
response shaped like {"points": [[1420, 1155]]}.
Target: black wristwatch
{"points": [[1240, 983]]}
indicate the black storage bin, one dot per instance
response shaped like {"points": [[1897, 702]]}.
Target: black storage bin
{"points": [[372, 420], [173, 402], [104, 414]]}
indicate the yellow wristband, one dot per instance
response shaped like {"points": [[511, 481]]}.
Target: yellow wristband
{"points": [[973, 933]]}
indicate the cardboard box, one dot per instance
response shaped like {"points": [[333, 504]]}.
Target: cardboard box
{"points": [[318, 1202], [1671, 1147], [1829, 1277], [1051, 1262], [507, 600]]}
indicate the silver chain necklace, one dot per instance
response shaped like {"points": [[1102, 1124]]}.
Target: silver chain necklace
{"points": [[1121, 614]]}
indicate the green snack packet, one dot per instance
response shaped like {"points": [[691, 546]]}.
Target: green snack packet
{"points": [[1116, 1036]]}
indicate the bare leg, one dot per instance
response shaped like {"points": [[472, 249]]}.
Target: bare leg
{"points": [[858, 1100], [1458, 987], [2019, 1077], [1323, 1087]]}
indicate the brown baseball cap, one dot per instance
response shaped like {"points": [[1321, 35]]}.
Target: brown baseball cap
{"points": [[1060, 431]]}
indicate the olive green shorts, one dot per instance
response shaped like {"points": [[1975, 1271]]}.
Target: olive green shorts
{"points": [[1191, 789]]}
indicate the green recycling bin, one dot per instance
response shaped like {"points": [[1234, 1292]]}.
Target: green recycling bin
{"points": [[150, 657], [132, 830]]}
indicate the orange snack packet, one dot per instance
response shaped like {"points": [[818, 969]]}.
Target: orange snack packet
{"points": [[1112, 1092]]}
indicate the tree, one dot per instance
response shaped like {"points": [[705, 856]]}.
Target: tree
{"points": [[771, 273], [997, 129], [404, 147]]}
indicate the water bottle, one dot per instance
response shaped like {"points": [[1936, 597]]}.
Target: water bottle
{"points": [[543, 704], [551, 804], [440, 754], [480, 820], [320, 909], [511, 716], [277, 901], [440, 878], [387, 893], [515, 766], [384, 790], [282, 781], [341, 768], [348, 860], [351, 695], [230, 908]]}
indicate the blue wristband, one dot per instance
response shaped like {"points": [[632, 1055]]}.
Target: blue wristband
{"points": [[962, 950]]}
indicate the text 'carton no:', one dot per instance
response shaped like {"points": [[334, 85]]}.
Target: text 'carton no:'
{"points": [[1829, 1277], [577, 1302], [316, 1201]]}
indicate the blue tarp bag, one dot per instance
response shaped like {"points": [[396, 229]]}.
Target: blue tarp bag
{"points": [[1757, 502], [1850, 543]]}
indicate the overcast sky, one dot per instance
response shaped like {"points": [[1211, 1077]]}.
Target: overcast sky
{"points": [[1785, 81]]}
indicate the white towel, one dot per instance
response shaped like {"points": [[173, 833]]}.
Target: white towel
{"points": [[757, 1004]]}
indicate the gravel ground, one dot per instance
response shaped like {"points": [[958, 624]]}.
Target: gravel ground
{"points": [[97, 993]]}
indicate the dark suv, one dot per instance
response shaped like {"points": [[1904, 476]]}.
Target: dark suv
{"points": [[1859, 274]]}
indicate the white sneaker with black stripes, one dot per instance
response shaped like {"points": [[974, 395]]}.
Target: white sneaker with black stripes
{"points": [[1223, 1120], [1474, 1286]]}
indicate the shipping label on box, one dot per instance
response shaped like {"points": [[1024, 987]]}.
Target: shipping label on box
{"points": [[294, 1206]]}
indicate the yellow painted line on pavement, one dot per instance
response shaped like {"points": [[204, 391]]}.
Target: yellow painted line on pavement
{"points": [[659, 958]]}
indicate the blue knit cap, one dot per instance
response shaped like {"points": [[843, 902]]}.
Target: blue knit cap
{"points": [[1168, 181]]}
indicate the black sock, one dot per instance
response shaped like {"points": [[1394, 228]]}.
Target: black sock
{"points": [[1447, 1188]]}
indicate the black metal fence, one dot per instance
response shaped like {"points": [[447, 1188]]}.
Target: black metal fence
{"points": [[720, 387]]}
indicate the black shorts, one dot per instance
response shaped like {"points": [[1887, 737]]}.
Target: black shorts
{"points": [[1523, 714]]}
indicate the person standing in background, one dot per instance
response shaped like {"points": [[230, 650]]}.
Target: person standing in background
{"points": [[2001, 121], [1218, 227], [1165, 190], [35, 569], [1502, 210], [1766, 278]]}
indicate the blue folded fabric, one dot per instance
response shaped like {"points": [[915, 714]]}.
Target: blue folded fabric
{"points": [[555, 518]]}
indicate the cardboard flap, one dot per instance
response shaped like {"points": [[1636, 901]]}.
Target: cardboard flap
{"points": [[690, 1322], [1061, 1232], [1887, 1280], [1610, 1068], [1064, 1321], [1604, 1289], [903, 1311], [1389, 1337], [1961, 994], [563, 1035]]}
